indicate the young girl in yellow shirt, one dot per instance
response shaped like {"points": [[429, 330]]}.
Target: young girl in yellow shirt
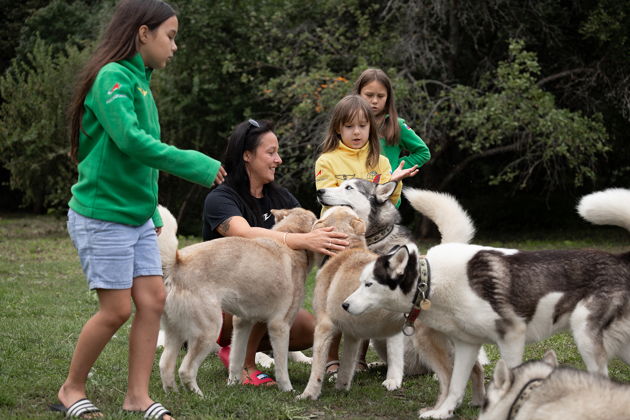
{"points": [[351, 150]]}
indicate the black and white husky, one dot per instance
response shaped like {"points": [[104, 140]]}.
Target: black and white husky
{"points": [[371, 203], [425, 349], [509, 297]]}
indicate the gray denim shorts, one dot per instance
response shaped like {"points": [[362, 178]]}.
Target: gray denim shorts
{"points": [[113, 254]]}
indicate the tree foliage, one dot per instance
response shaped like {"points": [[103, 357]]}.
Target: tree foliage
{"points": [[524, 95], [33, 137]]}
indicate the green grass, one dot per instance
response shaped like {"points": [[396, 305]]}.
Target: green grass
{"points": [[44, 302]]}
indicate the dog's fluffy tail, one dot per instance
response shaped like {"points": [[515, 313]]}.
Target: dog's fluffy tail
{"points": [[608, 207], [167, 240], [445, 211]]}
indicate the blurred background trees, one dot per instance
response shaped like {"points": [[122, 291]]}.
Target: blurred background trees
{"points": [[525, 105]]}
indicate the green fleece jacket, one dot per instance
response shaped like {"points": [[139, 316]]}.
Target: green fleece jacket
{"points": [[409, 141], [120, 152]]}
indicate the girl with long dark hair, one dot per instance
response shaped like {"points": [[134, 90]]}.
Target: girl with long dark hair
{"points": [[113, 219]]}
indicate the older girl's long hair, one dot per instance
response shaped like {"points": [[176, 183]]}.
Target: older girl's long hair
{"points": [[246, 138], [118, 42], [344, 112], [390, 128]]}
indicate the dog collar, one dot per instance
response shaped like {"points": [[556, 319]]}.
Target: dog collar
{"points": [[378, 236], [421, 298], [522, 396]]}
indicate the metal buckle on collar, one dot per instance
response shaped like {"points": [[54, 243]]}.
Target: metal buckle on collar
{"points": [[408, 329]]}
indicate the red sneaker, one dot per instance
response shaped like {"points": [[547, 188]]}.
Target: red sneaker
{"points": [[224, 355]]}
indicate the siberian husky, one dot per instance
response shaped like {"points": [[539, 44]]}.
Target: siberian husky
{"points": [[423, 347], [234, 274], [510, 297], [540, 390], [371, 203], [336, 279]]}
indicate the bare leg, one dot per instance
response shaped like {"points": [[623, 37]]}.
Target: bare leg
{"points": [[149, 296], [301, 337], [361, 363], [333, 353], [114, 310]]}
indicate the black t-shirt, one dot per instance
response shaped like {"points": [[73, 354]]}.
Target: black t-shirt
{"points": [[224, 202]]}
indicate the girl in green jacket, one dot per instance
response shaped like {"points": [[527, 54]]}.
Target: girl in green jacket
{"points": [[395, 136], [113, 219]]}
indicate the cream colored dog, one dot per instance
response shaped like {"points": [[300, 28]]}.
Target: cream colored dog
{"points": [[336, 280], [256, 280]]}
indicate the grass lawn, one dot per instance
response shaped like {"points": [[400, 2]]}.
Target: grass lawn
{"points": [[44, 302]]}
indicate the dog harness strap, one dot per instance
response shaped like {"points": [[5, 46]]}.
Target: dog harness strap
{"points": [[421, 298], [522, 396]]}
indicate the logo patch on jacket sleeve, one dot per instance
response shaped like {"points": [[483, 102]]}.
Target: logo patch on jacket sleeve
{"points": [[114, 88], [144, 92]]}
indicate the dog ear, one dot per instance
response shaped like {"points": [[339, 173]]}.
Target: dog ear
{"points": [[398, 262], [279, 214], [550, 358], [319, 223], [384, 191], [358, 226], [502, 376]]}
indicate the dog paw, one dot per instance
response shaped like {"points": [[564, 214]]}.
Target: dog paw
{"points": [[391, 384], [298, 356], [170, 387], [285, 388], [307, 396], [477, 400], [264, 360], [342, 386], [435, 414], [193, 387], [160, 340]]}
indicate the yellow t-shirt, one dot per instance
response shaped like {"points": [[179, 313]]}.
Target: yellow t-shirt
{"points": [[332, 168]]}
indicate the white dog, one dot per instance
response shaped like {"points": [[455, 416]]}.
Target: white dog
{"points": [[477, 295]]}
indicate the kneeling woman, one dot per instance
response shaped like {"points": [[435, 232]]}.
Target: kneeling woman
{"points": [[241, 206]]}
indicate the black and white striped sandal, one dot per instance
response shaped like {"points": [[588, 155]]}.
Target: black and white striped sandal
{"points": [[156, 411], [82, 409]]}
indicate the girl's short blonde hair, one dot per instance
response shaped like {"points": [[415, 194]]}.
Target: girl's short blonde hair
{"points": [[345, 111]]}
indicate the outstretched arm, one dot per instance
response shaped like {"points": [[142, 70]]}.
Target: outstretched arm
{"points": [[323, 240]]}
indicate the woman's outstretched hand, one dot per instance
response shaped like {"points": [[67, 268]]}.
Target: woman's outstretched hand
{"points": [[326, 241]]}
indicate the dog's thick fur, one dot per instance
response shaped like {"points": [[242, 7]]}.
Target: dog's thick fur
{"points": [[371, 203], [256, 280], [540, 390], [511, 297], [425, 348], [336, 280]]}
